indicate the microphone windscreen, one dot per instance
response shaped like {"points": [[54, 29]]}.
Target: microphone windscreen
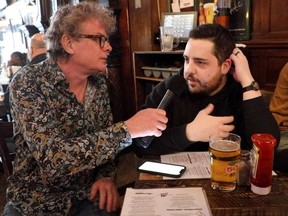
{"points": [[177, 84]]}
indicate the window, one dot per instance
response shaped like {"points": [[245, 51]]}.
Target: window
{"points": [[13, 31]]}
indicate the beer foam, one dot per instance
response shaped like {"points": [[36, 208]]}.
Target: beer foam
{"points": [[225, 145]]}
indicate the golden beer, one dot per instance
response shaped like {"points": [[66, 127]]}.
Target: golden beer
{"points": [[225, 155]]}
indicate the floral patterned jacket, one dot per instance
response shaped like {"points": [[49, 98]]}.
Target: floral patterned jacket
{"points": [[62, 145]]}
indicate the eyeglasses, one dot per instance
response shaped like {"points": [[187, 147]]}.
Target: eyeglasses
{"points": [[101, 38]]}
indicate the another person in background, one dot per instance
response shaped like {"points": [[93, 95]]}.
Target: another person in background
{"points": [[17, 61], [37, 51], [279, 109], [65, 137], [219, 99], [279, 100]]}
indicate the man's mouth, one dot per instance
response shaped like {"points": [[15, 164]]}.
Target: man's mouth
{"points": [[192, 81]]}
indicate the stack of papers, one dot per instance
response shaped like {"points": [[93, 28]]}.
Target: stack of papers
{"points": [[197, 164]]}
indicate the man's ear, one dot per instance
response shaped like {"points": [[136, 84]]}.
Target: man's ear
{"points": [[31, 49], [67, 43], [226, 65]]}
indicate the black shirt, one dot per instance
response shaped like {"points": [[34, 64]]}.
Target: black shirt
{"points": [[250, 116], [38, 58]]}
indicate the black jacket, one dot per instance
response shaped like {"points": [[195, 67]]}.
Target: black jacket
{"points": [[250, 116], [37, 59]]}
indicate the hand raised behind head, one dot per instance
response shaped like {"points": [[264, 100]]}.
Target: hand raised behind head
{"points": [[147, 122], [242, 72], [205, 125]]}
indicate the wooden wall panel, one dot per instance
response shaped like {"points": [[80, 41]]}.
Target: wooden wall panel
{"points": [[126, 59], [269, 19], [266, 64], [144, 24], [140, 24], [137, 27], [279, 16]]}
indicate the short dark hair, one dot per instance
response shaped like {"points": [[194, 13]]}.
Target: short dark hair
{"points": [[21, 58], [219, 35]]}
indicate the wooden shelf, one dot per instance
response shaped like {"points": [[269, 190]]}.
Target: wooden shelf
{"points": [[149, 78], [157, 60]]}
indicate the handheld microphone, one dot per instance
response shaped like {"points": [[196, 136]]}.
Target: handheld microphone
{"points": [[176, 85]]}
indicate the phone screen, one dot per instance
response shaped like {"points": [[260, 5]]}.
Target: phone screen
{"points": [[171, 170]]}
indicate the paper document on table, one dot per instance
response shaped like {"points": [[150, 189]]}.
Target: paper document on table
{"points": [[197, 164], [165, 202]]}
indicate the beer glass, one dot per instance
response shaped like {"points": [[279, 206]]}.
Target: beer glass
{"points": [[224, 157], [209, 12], [168, 40]]}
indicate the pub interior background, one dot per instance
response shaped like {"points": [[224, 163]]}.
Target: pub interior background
{"points": [[138, 29], [138, 26]]}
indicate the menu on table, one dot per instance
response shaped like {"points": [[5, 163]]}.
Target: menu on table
{"points": [[165, 202]]}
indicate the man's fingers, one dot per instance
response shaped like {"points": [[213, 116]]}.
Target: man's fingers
{"points": [[93, 191], [102, 198], [209, 109]]}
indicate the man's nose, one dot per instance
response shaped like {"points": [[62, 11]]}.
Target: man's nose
{"points": [[190, 67]]}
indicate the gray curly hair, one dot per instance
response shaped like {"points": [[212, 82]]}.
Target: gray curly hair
{"points": [[67, 20]]}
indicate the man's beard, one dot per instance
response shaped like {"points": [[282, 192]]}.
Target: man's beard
{"points": [[205, 88]]}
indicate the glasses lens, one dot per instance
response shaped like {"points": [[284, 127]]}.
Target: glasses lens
{"points": [[103, 39]]}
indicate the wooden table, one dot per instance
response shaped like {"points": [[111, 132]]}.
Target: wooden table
{"points": [[240, 202]]}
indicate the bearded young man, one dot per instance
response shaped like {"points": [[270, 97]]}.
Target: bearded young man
{"points": [[219, 98]]}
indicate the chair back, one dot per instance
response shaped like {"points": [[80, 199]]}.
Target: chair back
{"points": [[6, 131]]}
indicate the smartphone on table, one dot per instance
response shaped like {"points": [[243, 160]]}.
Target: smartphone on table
{"points": [[164, 169]]}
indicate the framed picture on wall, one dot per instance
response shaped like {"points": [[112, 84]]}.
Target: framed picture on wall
{"points": [[180, 24], [184, 5], [240, 19]]}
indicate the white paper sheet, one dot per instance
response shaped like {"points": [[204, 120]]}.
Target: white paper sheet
{"points": [[186, 3], [165, 202], [175, 7], [197, 164]]}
